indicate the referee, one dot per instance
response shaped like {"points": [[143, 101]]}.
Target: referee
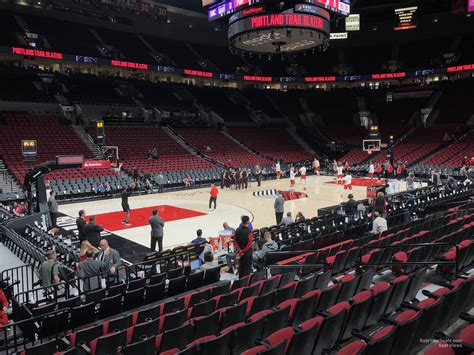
{"points": [[125, 206]]}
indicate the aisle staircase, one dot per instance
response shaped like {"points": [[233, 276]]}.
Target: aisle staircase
{"points": [[88, 141], [7, 181]]}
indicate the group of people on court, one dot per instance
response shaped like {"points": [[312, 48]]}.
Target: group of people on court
{"points": [[236, 179], [387, 170]]}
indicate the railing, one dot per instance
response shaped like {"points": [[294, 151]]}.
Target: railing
{"points": [[35, 330], [25, 274]]}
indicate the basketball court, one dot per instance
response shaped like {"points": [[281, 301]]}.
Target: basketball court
{"points": [[186, 211]]}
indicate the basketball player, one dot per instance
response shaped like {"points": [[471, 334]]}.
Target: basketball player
{"points": [[125, 206], [339, 170], [302, 172], [379, 171], [316, 166], [292, 178], [346, 166], [277, 170], [348, 181], [371, 170]]}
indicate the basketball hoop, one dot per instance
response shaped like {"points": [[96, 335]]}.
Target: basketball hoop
{"points": [[369, 151]]}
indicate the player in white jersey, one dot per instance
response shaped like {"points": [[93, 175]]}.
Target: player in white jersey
{"points": [[292, 178], [316, 166], [371, 169], [348, 181], [339, 175], [302, 171], [277, 170]]}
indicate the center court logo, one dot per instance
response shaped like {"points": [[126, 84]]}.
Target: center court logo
{"points": [[287, 195]]}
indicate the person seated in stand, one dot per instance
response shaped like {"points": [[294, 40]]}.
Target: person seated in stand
{"points": [[186, 182], [209, 261], [199, 238], [351, 206], [287, 220], [299, 217], [100, 189], [154, 153], [108, 189], [259, 254], [379, 224], [451, 184], [226, 227], [410, 182]]}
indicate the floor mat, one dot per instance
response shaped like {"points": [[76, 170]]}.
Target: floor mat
{"points": [[112, 221], [360, 182]]}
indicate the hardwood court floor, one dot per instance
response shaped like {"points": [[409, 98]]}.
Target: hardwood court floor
{"points": [[231, 205]]}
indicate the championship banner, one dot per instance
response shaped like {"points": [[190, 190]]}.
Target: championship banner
{"points": [[96, 164]]}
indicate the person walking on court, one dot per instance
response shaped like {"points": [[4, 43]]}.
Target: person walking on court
{"points": [[157, 224], [279, 207], [213, 198], [125, 206], [53, 208], [258, 175]]}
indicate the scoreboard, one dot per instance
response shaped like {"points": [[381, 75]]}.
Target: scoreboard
{"points": [[29, 149]]}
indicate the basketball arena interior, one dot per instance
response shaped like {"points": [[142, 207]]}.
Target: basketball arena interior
{"points": [[237, 177]]}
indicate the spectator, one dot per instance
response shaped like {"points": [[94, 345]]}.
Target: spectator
{"points": [[90, 271], [351, 206], [135, 173], [299, 217], [361, 209], [451, 184], [4, 306], [249, 225], [243, 240], [436, 178], [410, 182], [160, 181], [199, 239], [379, 224], [20, 209], [109, 255], [85, 246], [287, 220], [48, 271], [186, 181], [100, 189], [463, 173], [108, 189], [157, 224], [209, 262], [380, 203], [53, 208], [269, 246], [92, 231], [279, 206], [446, 139], [81, 225], [226, 227]]}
